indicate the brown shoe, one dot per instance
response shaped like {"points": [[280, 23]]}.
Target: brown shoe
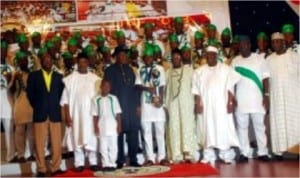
{"points": [[164, 162], [149, 163]]}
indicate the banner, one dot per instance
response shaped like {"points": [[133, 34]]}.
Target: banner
{"points": [[32, 13], [116, 10]]}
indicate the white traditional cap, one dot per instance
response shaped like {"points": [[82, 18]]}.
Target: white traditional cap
{"points": [[212, 49], [277, 36]]}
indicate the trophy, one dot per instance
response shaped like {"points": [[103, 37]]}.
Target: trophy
{"points": [[155, 83]]}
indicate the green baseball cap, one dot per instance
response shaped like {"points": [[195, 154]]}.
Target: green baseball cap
{"points": [[67, 55], [178, 20], [119, 34], [22, 38], [211, 27], [236, 39], [72, 42], [49, 44], [34, 34], [288, 28], [42, 51], [185, 48], [226, 32], [148, 25], [77, 35], [100, 38], [173, 38], [261, 35], [156, 49], [198, 35], [149, 51], [105, 49], [20, 55]]}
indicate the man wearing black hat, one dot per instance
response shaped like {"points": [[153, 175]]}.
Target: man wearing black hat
{"points": [[122, 80]]}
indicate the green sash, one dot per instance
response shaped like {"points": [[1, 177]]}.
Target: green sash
{"points": [[111, 105], [252, 76]]}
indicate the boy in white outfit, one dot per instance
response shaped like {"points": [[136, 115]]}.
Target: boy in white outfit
{"points": [[106, 111]]}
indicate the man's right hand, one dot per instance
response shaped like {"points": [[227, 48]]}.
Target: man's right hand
{"points": [[69, 121], [198, 109]]}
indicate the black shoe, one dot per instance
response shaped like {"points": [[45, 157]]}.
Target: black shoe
{"points": [[31, 158], [57, 172], [79, 169], [263, 158], [112, 169], [94, 168], [135, 164], [22, 160], [40, 174], [278, 158], [120, 165], [149, 163], [242, 159], [106, 169], [165, 162], [48, 157], [14, 160]]}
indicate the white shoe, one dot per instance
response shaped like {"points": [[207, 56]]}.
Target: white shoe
{"points": [[228, 161], [204, 161]]}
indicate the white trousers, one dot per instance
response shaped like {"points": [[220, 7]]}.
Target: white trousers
{"points": [[209, 155], [259, 130], [9, 138], [159, 127], [80, 154], [108, 148]]}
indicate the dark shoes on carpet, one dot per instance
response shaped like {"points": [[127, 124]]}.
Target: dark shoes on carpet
{"points": [[120, 165], [277, 158], [79, 169], [58, 172], [243, 159], [108, 169], [94, 168], [264, 158], [22, 160], [149, 163], [40, 174], [164, 162]]}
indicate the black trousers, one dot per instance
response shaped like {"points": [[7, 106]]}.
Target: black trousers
{"points": [[133, 144]]}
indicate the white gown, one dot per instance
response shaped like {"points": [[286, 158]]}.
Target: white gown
{"points": [[213, 84], [78, 94]]}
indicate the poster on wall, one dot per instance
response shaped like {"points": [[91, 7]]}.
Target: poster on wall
{"points": [[133, 28], [31, 13], [116, 10]]}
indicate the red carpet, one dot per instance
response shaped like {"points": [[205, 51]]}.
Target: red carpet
{"points": [[179, 170]]}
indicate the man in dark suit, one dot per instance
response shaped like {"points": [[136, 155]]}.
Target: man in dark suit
{"points": [[44, 89], [122, 80]]}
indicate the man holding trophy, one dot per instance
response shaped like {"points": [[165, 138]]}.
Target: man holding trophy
{"points": [[150, 80]]}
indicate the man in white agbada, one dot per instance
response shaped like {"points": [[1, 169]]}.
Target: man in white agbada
{"points": [[213, 87], [80, 88], [284, 96], [181, 131], [252, 95]]}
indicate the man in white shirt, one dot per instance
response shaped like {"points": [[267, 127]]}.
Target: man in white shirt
{"points": [[252, 95], [151, 81]]}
